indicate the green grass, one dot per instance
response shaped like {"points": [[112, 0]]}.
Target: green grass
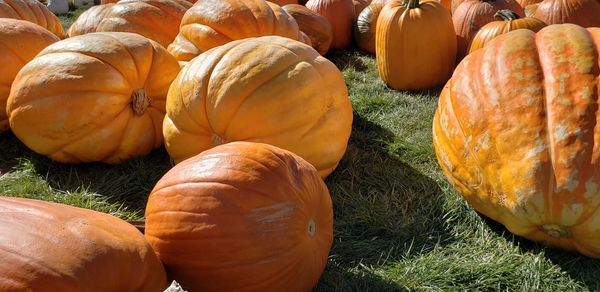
{"points": [[399, 225]]}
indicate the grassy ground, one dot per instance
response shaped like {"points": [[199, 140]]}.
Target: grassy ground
{"points": [[399, 225]]}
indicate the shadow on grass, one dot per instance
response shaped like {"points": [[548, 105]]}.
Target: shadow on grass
{"points": [[349, 59]]}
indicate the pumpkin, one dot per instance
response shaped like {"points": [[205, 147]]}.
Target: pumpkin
{"points": [[415, 44], [315, 26], [364, 30], [447, 4], [293, 98], [585, 13], [94, 97], [525, 3], [141, 16], [212, 23], [515, 133], [20, 41], [284, 2], [507, 21], [340, 14], [89, 20], [359, 5], [471, 15], [530, 10], [32, 11], [54, 247], [242, 217]]}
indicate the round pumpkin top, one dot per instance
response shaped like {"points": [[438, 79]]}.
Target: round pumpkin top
{"points": [[242, 217], [316, 27], [89, 20], [32, 11], [585, 13], [54, 247], [515, 132]]}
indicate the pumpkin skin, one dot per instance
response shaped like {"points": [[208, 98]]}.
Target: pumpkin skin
{"points": [[94, 97], [32, 11], [340, 14], [531, 9], [471, 15], [315, 26], [242, 217], [212, 23], [402, 34], [359, 5], [89, 20], [515, 134], [255, 82], [508, 21], [525, 3], [20, 41], [284, 2], [366, 24], [54, 247], [585, 13]]}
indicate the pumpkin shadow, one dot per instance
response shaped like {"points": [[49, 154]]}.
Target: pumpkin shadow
{"points": [[346, 59]]}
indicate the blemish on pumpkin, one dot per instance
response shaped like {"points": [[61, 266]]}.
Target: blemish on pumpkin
{"points": [[554, 230], [274, 214], [518, 64], [539, 147], [572, 181], [312, 227], [561, 132], [139, 101], [217, 140], [484, 141], [591, 189]]}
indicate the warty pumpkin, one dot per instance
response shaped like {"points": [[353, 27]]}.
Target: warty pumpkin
{"points": [[364, 29], [212, 23], [242, 217], [54, 247], [89, 20], [32, 11], [515, 133], [20, 41], [94, 97], [315, 26], [585, 13], [271, 90], [415, 44], [507, 21], [340, 14]]}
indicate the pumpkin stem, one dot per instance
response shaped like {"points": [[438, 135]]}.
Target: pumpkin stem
{"points": [[506, 15], [139, 101], [412, 4], [312, 227]]}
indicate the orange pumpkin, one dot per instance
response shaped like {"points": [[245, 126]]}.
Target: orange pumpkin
{"points": [[340, 14], [315, 26], [515, 132], [585, 13], [94, 97], [212, 23], [20, 41], [507, 21], [284, 2], [242, 217], [364, 29], [54, 247], [530, 10], [293, 98], [525, 3], [471, 15], [32, 11], [415, 44], [89, 20]]}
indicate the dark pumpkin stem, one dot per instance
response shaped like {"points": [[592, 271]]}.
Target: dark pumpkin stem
{"points": [[506, 15], [412, 4]]}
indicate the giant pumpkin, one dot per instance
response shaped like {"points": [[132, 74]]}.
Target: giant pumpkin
{"points": [[340, 14], [20, 41], [365, 26], [271, 90], [32, 11], [516, 132], [415, 44], [315, 26], [89, 20], [94, 97], [54, 247], [212, 23], [242, 217], [585, 13]]}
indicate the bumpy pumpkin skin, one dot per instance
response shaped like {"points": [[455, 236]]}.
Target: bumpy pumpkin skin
{"points": [[515, 132], [271, 90], [89, 20], [142, 17], [54, 247], [364, 29], [585, 13], [212, 23], [508, 21], [20, 41], [415, 44], [32, 11], [340, 14], [94, 97], [315, 26], [242, 217]]}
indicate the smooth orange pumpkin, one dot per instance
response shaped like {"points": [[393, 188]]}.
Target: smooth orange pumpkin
{"points": [[507, 21], [32, 11], [364, 29], [315, 26], [54, 247], [340, 14], [212, 23], [89, 20], [20, 41], [271, 90], [415, 44], [516, 133], [585, 13], [94, 97], [242, 217]]}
